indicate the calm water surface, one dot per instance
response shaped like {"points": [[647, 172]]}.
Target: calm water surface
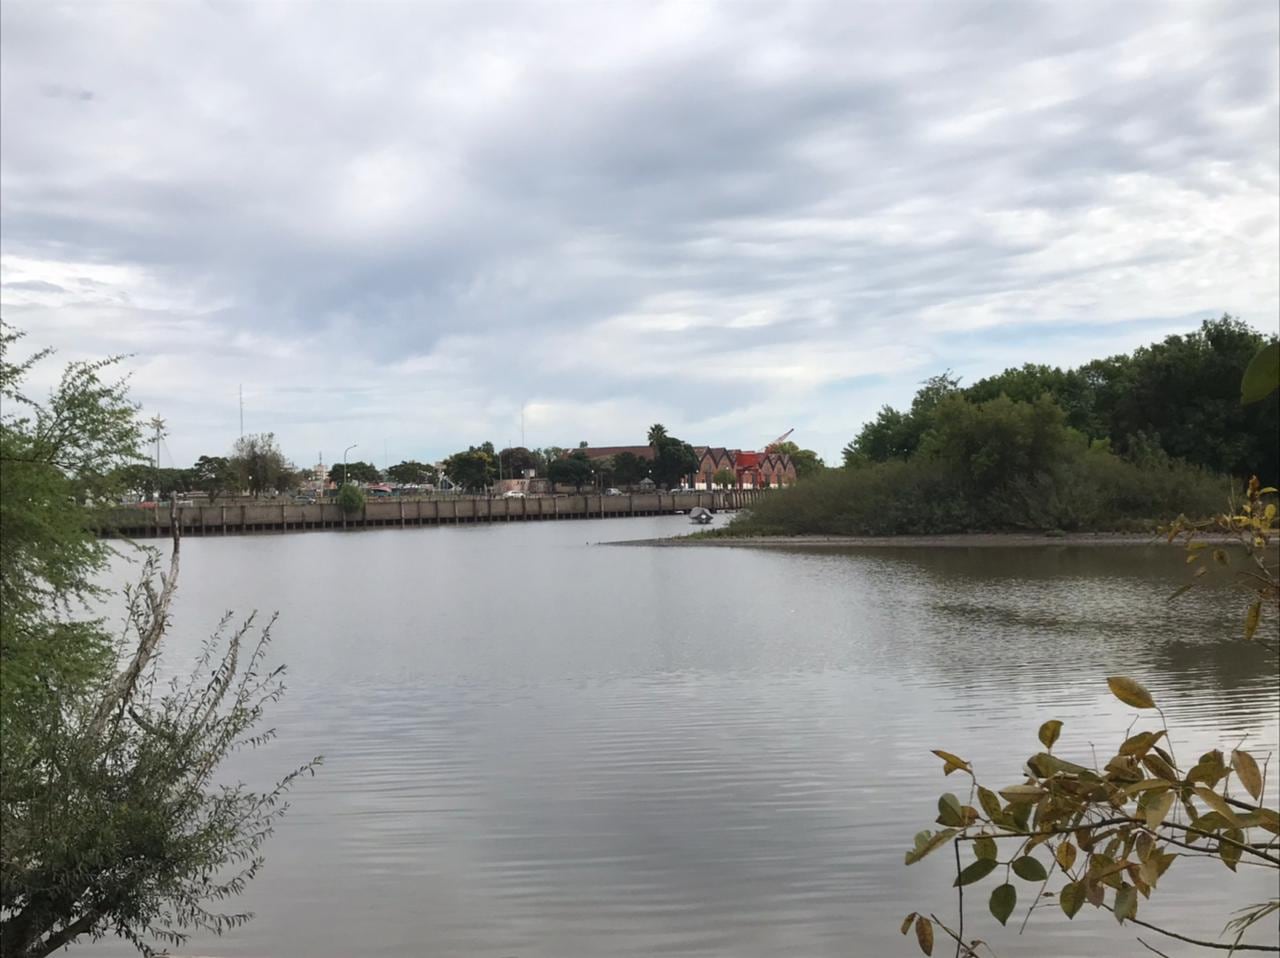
{"points": [[540, 746]]}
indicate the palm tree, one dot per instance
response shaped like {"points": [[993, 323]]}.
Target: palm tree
{"points": [[657, 433]]}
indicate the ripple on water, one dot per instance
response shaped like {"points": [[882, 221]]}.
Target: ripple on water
{"points": [[538, 748]]}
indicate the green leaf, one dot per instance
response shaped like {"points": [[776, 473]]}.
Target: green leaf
{"points": [[1126, 902], [985, 847], [1003, 900], [1028, 869], [949, 812], [1262, 375], [1071, 898], [1130, 692], [990, 804], [975, 872], [1049, 732]]}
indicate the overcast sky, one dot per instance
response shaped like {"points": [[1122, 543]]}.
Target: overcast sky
{"points": [[396, 224]]}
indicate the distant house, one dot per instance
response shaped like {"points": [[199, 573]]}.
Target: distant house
{"points": [[755, 470]]}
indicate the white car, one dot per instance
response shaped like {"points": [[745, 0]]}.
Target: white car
{"points": [[513, 494], [613, 492]]}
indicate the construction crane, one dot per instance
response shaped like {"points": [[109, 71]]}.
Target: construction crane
{"points": [[780, 440]]}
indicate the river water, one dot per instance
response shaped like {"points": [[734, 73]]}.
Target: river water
{"points": [[538, 745]]}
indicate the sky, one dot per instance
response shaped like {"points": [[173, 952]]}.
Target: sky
{"points": [[416, 226]]}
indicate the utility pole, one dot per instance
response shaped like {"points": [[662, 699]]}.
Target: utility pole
{"points": [[242, 410], [522, 442], [157, 424]]}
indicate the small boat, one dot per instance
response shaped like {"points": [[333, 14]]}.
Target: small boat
{"points": [[700, 514]]}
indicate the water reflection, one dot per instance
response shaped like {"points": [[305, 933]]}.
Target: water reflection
{"points": [[540, 747]]}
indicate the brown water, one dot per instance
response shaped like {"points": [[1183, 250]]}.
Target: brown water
{"points": [[536, 746]]}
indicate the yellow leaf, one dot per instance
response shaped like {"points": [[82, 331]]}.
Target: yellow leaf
{"points": [[1146, 785], [1158, 809], [1130, 692], [1248, 773], [1218, 804], [1049, 732], [907, 922], [951, 762], [1251, 620], [924, 934], [1022, 793], [1066, 855]]}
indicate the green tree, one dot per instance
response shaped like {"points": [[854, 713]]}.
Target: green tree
{"points": [[515, 460], [574, 470], [259, 463], [214, 476], [725, 478], [988, 446], [111, 817], [1185, 391], [411, 473], [473, 470], [897, 435], [350, 498], [628, 469], [137, 478], [657, 433], [358, 471], [1070, 389], [62, 463], [806, 461], [674, 462]]}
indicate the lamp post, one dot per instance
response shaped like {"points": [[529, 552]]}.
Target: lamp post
{"points": [[344, 461]]}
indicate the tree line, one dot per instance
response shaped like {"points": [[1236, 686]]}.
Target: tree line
{"points": [[1176, 399], [257, 466]]}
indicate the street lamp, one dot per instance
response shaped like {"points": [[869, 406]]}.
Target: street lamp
{"points": [[344, 461]]}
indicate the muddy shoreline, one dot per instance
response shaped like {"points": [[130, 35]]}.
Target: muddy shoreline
{"points": [[976, 540]]}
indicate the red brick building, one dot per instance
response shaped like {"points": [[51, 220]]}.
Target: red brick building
{"points": [[755, 470]]}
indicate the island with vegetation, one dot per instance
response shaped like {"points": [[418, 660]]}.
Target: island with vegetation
{"points": [[1120, 444]]}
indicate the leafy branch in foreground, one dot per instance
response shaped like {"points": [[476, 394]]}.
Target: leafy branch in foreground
{"points": [[1108, 835], [114, 822], [1253, 526], [113, 818]]}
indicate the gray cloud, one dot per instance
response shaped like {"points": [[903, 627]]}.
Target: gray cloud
{"points": [[403, 222]]}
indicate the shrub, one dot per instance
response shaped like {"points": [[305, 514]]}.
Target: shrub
{"points": [[350, 499]]}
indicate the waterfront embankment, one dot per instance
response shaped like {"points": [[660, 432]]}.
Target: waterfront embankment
{"points": [[277, 517]]}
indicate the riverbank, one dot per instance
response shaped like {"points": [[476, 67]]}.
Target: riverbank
{"points": [[968, 540]]}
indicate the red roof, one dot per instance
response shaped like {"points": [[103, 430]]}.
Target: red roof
{"points": [[604, 452]]}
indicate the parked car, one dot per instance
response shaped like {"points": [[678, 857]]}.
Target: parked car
{"points": [[513, 494], [613, 492]]}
